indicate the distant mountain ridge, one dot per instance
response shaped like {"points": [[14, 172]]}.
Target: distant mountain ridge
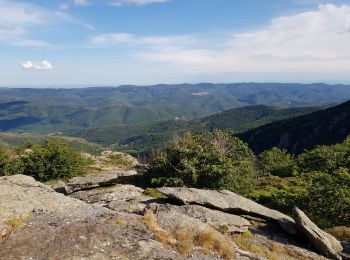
{"points": [[53, 110], [324, 127], [144, 137]]}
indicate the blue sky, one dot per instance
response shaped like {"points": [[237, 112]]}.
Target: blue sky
{"points": [[112, 42]]}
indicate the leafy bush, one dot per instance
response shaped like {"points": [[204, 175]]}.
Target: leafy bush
{"points": [[280, 193], [277, 162], [328, 200], [4, 157], [53, 160], [320, 184], [210, 160]]}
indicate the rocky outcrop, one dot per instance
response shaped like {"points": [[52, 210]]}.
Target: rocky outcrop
{"points": [[22, 195], [324, 242], [109, 236], [184, 229], [225, 222], [126, 198], [61, 227], [229, 202], [120, 222], [98, 180]]}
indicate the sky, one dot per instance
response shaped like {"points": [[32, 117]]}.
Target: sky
{"points": [[113, 42]]}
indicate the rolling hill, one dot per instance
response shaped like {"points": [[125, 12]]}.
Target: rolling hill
{"points": [[55, 110], [141, 138], [328, 126]]}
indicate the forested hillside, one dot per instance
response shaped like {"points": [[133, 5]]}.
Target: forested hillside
{"points": [[53, 110], [142, 138], [326, 127]]}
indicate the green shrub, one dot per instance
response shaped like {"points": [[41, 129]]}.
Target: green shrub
{"points": [[326, 158], [53, 160], [209, 160], [328, 200], [4, 158], [277, 162]]}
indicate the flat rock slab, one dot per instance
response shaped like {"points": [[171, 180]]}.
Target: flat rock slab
{"points": [[22, 195], [228, 223], [229, 202], [324, 242], [110, 236], [174, 222], [97, 180], [127, 198], [106, 195]]}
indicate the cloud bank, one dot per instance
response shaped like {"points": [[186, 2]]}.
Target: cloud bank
{"points": [[314, 41], [40, 65]]}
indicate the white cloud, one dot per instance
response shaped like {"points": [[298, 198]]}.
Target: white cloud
{"points": [[315, 41], [68, 5], [17, 18], [151, 41], [40, 65], [81, 2], [135, 2]]}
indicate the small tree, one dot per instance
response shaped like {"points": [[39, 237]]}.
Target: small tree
{"points": [[212, 160], [53, 160], [277, 162]]}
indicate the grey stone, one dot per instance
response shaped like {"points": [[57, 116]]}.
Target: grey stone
{"points": [[22, 195], [98, 180], [106, 195], [68, 238], [322, 241], [127, 198], [173, 222], [217, 219], [229, 202]]}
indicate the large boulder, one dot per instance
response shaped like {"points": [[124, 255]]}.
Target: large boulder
{"points": [[324, 242], [105, 195], [228, 202], [98, 180], [61, 227], [178, 228], [22, 195], [225, 222], [127, 198]]}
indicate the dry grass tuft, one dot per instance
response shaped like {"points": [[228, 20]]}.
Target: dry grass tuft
{"points": [[121, 222], [160, 234], [16, 223], [271, 250], [245, 242], [185, 241], [215, 242], [341, 233]]}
